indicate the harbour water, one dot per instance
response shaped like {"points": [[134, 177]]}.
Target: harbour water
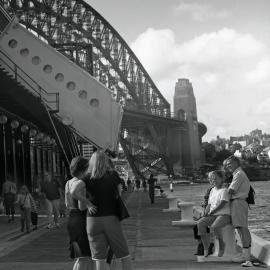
{"points": [[259, 214]]}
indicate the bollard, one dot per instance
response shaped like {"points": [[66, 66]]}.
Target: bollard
{"points": [[172, 204], [171, 186], [228, 234], [186, 214], [157, 192]]}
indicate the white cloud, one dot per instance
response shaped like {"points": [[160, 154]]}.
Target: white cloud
{"points": [[261, 71], [261, 109], [200, 12], [228, 71], [152, 46]]}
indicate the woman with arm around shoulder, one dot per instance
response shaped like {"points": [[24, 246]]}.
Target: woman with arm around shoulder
{"points": [[77, 205], [103, 227]]}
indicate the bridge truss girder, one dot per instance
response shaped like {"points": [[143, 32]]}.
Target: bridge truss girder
{"points": [[64, 23], [114, 63]]}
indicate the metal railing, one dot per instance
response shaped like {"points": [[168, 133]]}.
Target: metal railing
{"points": [[25, 80]]}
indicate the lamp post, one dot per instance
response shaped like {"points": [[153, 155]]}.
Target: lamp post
{"points": [[3, 121], [24, 129], [33, 153], [14, 125]]}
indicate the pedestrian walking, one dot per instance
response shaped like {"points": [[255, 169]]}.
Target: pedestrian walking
{"points": [[51, 190], [129, 185], [238, 191], [138, 184], [26, 202], [151, 188], [77, 205], [103, 227], [144, 185], [9, 191]]}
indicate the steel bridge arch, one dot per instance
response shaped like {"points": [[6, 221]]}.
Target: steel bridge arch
{"points": [[72, 27], [62, 22]]}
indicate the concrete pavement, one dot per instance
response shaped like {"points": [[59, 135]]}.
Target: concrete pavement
{"points": [[153, 243]]}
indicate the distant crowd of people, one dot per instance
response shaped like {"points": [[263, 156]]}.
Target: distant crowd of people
{"points": [[50, 195]]}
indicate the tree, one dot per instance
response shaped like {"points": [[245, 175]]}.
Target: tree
{"points": [[210, 151]]}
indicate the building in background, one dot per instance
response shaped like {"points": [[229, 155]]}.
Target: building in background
{"points": [[185, 108]]}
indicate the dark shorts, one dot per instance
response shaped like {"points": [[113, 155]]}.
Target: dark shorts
{"points": [[76, 226]]}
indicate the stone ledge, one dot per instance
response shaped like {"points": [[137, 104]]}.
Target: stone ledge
{"points": [[260, 249]]}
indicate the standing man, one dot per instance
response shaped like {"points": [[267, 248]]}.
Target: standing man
{"points": [[51, 190], [151, 189], [238, 190], [9, 195]]}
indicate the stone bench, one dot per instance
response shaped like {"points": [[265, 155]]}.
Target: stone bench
{"points": [[173, 201], [186, 214], [157, 192], [228, 233]]}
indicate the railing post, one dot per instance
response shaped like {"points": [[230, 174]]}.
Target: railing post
{"points": [[15, 72], [40, 90]]}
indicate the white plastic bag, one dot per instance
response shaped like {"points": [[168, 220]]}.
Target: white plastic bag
{"points": [[83, 263]]}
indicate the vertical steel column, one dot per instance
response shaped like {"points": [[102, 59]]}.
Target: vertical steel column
{"points": [[14, 125], [3, 121]]}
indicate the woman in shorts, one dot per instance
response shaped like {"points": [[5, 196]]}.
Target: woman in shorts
{"points": [[217, 213], [103, 227]]}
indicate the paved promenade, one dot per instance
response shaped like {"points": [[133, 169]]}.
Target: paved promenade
{"points": [[153, 242]]}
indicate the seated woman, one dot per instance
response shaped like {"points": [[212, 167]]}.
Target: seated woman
{"points": [[200, 249], [217, 213]]}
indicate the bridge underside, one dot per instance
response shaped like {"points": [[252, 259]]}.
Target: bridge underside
{"points": [[147, 141]]}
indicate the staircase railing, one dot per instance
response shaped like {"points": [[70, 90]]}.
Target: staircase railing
{"points": [[50, 99]]}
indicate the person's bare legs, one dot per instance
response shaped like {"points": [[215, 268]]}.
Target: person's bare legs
{"points": [[126, 263], [206, 243], [101, 265]]}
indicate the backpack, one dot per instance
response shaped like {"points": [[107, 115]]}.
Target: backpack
{"points": [[251, 196]]}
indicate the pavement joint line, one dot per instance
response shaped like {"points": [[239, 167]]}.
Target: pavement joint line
{"points": [[23, 240], [17, 230]]}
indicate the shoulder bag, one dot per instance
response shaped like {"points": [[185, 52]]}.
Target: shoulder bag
{"points": [[122, 212]]}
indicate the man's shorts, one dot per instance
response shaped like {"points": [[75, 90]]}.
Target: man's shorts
{"points": [[104, 232], [239, 212]]}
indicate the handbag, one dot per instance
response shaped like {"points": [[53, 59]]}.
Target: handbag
{"points": [[121, 209]]}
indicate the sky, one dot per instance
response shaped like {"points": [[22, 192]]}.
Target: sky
{"points": [[221, 46]]}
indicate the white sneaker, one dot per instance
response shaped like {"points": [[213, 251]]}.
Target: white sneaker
{"points": [[50, 226], [247, 264], [243, 257]]}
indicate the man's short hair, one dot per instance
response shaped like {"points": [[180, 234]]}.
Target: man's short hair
{"points": [[78, 165], [234, 159]]}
